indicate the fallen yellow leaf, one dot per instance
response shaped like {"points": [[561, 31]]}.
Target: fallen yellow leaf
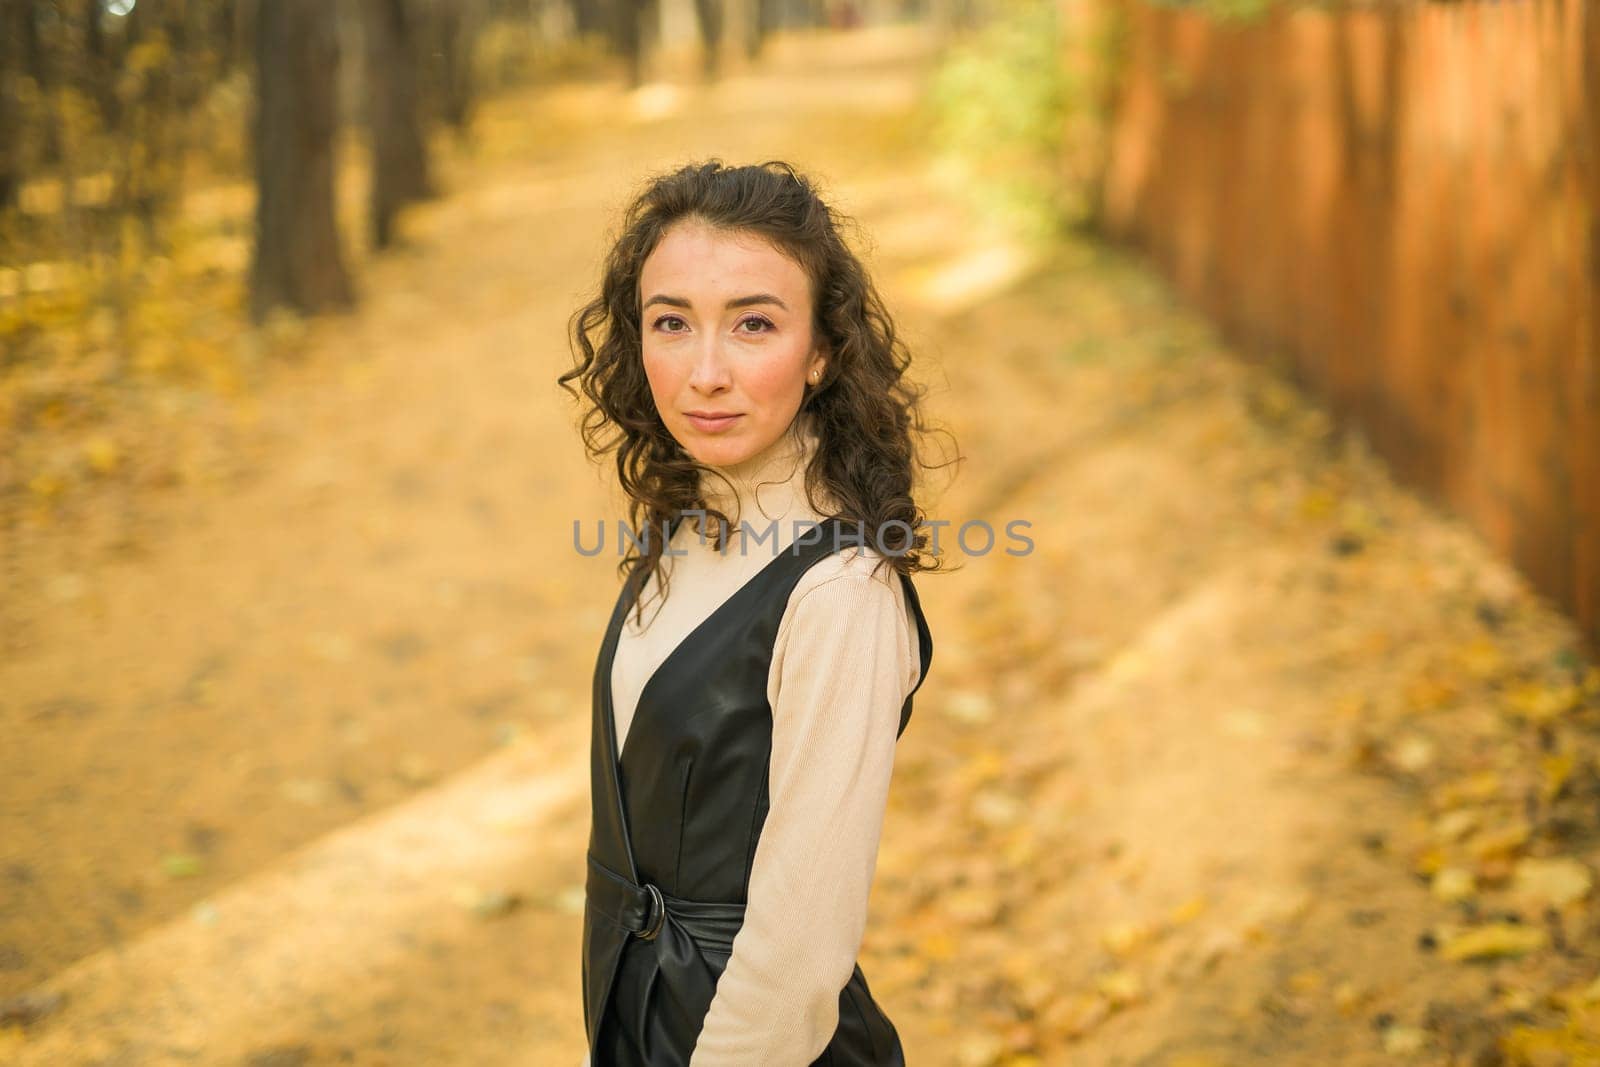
{"points": [[1541, 703], [1559, 880], [1451, 884], [1492, 941], [1121, 987]]}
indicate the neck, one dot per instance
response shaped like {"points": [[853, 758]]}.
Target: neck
{"points": [[769, 486]]}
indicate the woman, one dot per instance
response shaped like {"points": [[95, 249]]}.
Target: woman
{"points": [[743, 368]]}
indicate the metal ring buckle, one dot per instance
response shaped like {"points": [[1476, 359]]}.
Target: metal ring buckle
{"points": [[658, 908]]}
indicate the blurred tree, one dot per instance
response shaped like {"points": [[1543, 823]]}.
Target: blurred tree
{"points": [[588, 17], [102, 60], [709, 15], [225, 34], [628, 16], [400, 170], [449, 29], [37, 26], [147, 73], [759, 23], [1588, 154], [297, 260], [12, 12]]}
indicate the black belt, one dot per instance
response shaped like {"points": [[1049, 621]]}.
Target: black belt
{"points": [[642, 910]]}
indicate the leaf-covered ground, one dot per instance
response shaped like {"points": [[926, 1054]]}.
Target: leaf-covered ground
{"points": [[1254, 758]]}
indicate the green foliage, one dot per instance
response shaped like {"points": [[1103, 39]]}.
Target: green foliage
{"points": [[1018, 112], [1223, 10], [999, 104]]}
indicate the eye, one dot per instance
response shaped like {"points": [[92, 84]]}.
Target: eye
{"points": [[666, 319], [762, 324]]}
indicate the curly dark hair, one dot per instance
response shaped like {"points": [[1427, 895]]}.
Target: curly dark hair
{"points": [[864, 411]]}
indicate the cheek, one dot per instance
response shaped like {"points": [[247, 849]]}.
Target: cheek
{"points": [[774, 383], [662, 375]]}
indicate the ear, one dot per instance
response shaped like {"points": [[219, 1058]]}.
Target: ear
{"points": [[819, 365]]}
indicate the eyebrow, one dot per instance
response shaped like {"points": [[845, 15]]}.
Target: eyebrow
{"points": [[736, 302]]}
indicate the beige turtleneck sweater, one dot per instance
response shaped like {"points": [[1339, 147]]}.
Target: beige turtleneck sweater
{"points": [[845, 657]]}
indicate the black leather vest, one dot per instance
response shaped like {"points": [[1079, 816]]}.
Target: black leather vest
{"points": [[676, 817]]}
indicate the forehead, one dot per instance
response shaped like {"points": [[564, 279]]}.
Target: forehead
{"points": [[694, 257]]}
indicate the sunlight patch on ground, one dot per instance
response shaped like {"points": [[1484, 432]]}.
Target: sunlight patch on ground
{"points": [[956, 284], [356, 903], [774, 94], [656, 101]]}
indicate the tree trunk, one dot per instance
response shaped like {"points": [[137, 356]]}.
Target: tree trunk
{"points": [[759, 23], [399, 155], [104, 62], [38, 60], [1585, 569], [1589, 163], [11, 14], [452, 29], [588, 17], [297, 260], [628, 19], [709, 13]]}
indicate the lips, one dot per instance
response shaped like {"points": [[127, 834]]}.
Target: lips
{"points": [[711, 421]]}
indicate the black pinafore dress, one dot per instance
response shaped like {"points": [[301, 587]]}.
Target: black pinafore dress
{"points": [[676, 817]]}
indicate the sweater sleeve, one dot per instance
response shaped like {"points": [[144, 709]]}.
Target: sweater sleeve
{"points": [[849, 657]]}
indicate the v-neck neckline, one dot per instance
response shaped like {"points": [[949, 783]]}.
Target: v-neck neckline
{"points": [[620, 751]]}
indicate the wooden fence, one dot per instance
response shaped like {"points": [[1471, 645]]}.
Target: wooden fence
{"points": [[1404, 201]]}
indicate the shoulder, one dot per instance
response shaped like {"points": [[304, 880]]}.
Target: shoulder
{"points": [[850, 612], [859, 570], [847, 591]]}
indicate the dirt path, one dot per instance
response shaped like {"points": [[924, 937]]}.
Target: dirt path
{"points": [[1183, 756], [387, 592]]}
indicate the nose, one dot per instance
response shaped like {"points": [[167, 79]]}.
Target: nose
{"points": [[710, 373]]}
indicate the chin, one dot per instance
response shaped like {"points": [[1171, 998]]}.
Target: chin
{"points": [[719, 453], [717, 450]]}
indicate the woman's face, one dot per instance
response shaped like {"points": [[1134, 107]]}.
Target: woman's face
{"points": [[728, 348]]}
